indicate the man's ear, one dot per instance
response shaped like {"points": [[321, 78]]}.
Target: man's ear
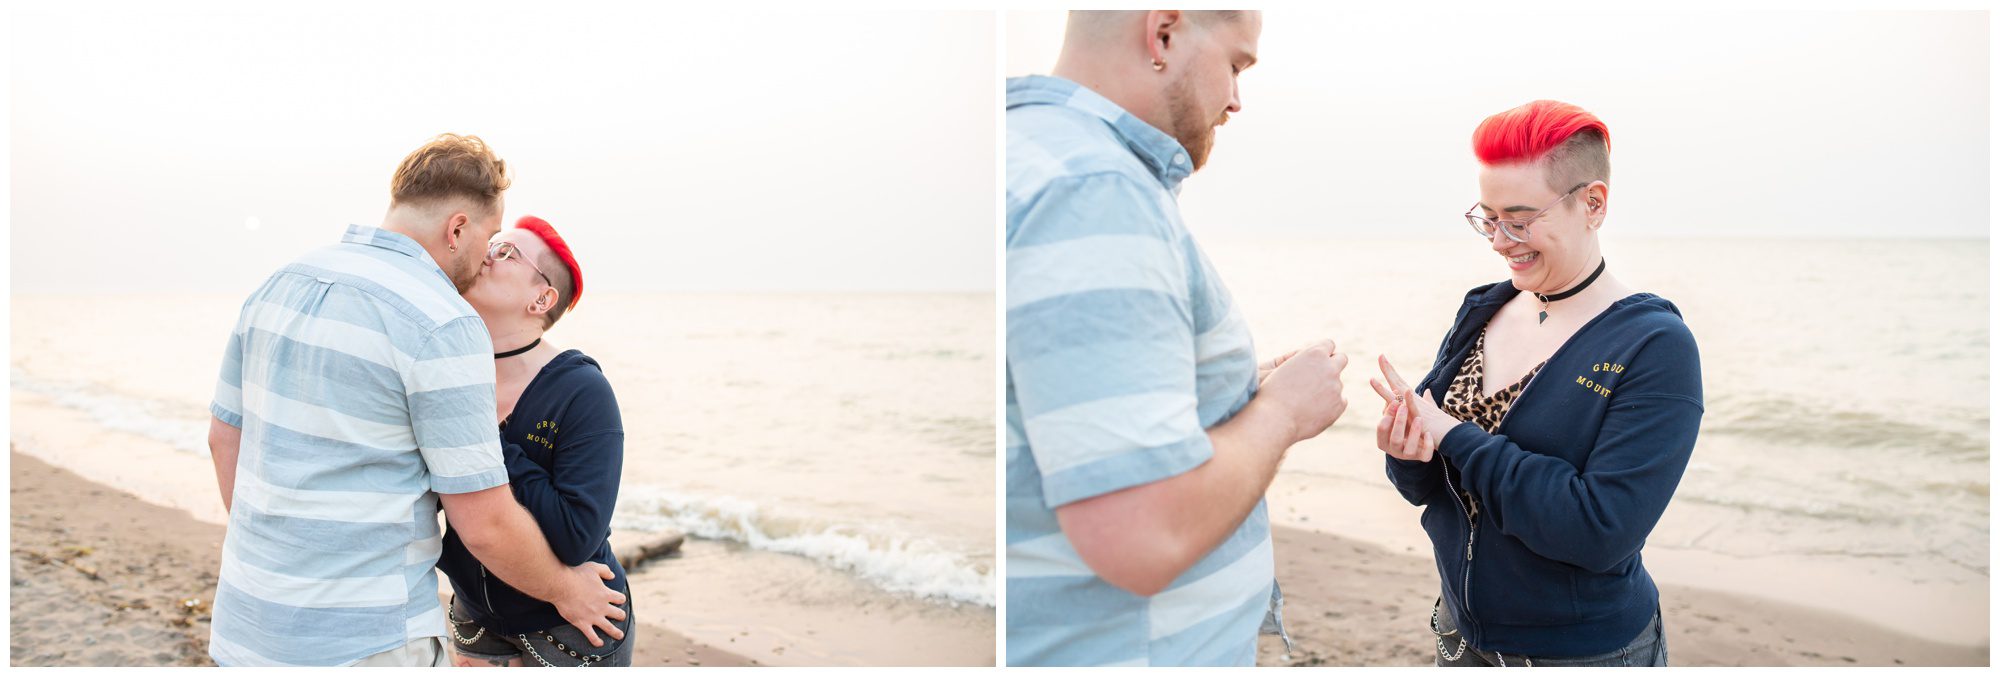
{"points": [[1161, 27], [454, 229]]}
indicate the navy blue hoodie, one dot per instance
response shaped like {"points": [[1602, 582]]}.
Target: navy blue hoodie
{"points": [[565, 446], [1569, 485]]}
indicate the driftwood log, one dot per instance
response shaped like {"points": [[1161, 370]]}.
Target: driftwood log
{"points": [[636, 549]]}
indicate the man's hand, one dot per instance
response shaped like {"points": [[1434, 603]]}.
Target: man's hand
{"points": [[503, 536], [1265, 368], [589, 604], [1304, 388], [1141, 538]]}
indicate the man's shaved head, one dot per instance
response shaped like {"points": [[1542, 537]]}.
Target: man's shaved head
{"points": [[1174, 69], [1095, 20]]}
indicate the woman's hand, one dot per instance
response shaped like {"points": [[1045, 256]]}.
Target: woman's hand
{"points": [[1411, 423]]}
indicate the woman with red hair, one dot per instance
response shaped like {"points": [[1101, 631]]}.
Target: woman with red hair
{"points": [[565, 446], [1555, 423]]}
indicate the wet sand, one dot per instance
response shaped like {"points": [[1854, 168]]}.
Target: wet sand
{"points": [[785, 610], [1350, 603]]}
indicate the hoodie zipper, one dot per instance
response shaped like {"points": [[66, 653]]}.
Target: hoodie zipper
{"points": [[1472, 528], [1452, 489], [1471, 533], [1468, 623]]}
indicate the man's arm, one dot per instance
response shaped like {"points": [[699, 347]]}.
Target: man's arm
{"points": [[225, 425], [504, 537], [1101, 360], [224, 443], [1142, 538]]}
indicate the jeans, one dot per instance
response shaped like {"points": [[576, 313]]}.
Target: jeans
{"points": [[560, 646], [1649, 649]]}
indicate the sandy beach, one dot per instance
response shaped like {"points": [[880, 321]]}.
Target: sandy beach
{"points": [[1350, 603], [88, 555]]}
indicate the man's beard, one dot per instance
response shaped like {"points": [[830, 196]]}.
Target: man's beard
{"points": [[1195, 131], [464, 271]]}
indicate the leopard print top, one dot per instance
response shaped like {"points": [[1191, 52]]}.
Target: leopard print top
{"points": [[1465, 400]]}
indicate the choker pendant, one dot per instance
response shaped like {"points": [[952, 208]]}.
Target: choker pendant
{"points": [[1544, 317]]}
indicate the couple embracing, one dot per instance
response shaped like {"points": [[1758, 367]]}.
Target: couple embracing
{"points": [[402, 371], [1543, 444]]}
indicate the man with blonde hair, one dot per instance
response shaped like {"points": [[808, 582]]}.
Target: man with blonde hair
{"points": [[356, 396]]}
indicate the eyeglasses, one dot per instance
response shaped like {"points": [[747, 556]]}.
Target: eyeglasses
{"points": [[1515, 230], [501, 251]]}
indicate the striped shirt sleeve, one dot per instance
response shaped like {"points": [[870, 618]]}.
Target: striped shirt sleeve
{"points": [[228, 403], [1100, 339], [452, 411]]}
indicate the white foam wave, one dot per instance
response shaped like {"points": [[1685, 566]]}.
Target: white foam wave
{"points": [[183, 429], [896, 563], [902, 564]]}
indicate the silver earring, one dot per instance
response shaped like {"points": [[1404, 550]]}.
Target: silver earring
{"points": [[1159, 65]]}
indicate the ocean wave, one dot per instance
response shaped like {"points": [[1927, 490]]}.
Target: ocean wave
{"points": [[900, 564], [1797, 423], [184, 429], [969, 435], [1814, 507], [939, 354]]}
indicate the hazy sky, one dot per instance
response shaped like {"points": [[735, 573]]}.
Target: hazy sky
{"points": [[198, 149], [1765, 124]]}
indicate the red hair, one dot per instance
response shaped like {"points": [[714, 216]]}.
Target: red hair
{"points": [[1529, 132], [560, 248]]}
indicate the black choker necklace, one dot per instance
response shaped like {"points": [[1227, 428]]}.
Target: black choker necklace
{"points": [[538, 341], [1546, 300]]}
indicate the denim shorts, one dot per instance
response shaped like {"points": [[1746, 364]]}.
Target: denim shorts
{"points": [[1649, 649], [560, 646]]}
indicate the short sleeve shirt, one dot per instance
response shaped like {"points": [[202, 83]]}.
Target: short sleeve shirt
{"points": [[363, 385], [1123, 348]]}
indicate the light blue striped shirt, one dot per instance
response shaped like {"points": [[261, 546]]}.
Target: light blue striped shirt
{"points": [[364, 387], [1123, 348]]}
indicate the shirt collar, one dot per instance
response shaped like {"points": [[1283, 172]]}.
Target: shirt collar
{"points": [[1161, 154], [392, 241]]}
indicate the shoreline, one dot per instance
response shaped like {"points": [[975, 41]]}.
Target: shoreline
{"points": [[1350, 602], [729, 604], [85, 554]]}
